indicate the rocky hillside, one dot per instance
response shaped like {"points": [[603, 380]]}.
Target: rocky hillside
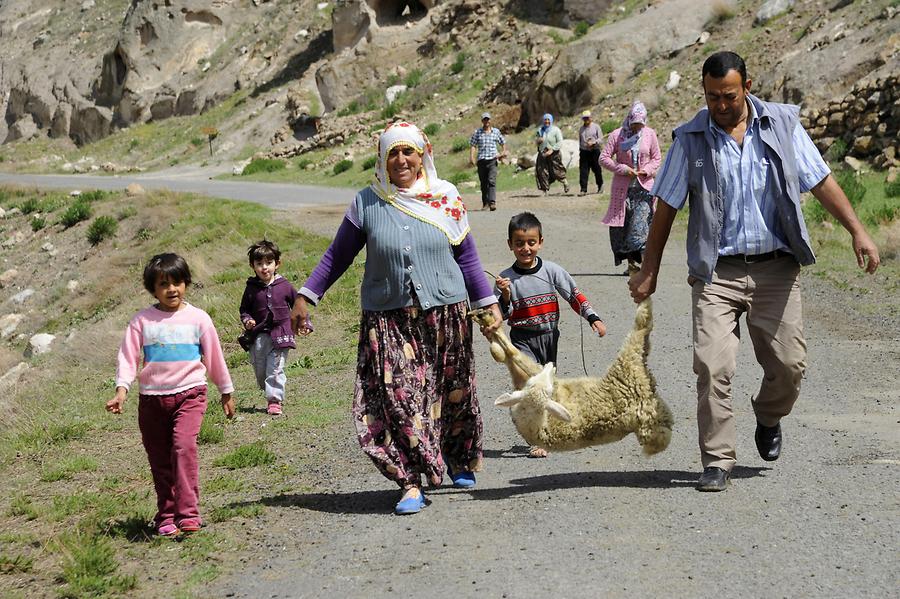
{"points": [[305, 74]]}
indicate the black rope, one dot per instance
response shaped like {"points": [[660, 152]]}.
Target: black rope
{"points": [[568, 298]]}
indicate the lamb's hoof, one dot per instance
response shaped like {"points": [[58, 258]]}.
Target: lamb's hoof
{"points": [[713, 479], [537, 452]]}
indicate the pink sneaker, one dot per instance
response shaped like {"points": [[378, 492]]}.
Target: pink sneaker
{"points": [[167, 530], [274, 409]]}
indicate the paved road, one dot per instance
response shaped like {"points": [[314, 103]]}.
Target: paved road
{"points": [[274, 195], [607, 522]]}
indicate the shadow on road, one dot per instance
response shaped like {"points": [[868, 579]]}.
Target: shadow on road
{"points": [[382, 502]]}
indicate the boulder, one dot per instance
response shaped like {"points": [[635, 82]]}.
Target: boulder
{"points": [[568, 150], [771, 9], [90, 123], [9, 323], [525, 161], [72, 286], [134, 189], [22, 296], [393, 92], [40, 343], [163, 107], [673, 80], [22, 130]]}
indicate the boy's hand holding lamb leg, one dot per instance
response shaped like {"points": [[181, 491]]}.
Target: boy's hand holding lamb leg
{"points": [[228, 405], [115, 404]]}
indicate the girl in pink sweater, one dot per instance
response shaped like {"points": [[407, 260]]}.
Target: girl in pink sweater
{"points": [[180, 346]]}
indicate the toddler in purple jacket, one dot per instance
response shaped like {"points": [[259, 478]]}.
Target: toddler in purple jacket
{"points": [[266, 316]]}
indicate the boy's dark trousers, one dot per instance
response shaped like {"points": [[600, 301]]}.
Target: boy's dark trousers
{"points": [[540, 346], [589, 160]]}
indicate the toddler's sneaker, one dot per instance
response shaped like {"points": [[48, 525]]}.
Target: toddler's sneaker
{"points": [[167, 530], [274, 409], [189, 525]]}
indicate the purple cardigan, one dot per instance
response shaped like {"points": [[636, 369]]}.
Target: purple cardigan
{"points": [[350, 239], [270, 306]]}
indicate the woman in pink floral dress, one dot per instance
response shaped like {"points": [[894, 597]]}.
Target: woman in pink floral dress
{"points": [[414, 403]]}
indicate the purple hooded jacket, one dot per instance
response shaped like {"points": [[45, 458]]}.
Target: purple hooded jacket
{"points": [[270, 306]]}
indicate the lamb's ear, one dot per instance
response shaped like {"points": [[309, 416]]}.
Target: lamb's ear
{"points": [[558, 410], [508, 400]]}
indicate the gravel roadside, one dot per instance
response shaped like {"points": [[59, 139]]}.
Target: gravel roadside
{"points": [[606, 521]]}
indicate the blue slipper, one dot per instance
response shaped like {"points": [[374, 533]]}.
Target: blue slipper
{"points": [[463, 480], [410, 505]]}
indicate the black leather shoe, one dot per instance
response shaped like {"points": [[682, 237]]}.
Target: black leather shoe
{"points": [[768, 441], [713, 479]]}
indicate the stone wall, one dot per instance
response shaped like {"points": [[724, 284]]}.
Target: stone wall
{"points": [[866, 119]]}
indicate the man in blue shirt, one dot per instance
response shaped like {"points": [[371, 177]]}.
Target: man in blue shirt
{"points": [[483, 146], [743, 163]]}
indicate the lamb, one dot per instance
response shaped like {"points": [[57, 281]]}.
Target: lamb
{"points": [[568, 414]]}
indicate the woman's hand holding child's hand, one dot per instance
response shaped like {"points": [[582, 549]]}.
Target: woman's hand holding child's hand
{"points": [[228, 405], [249, 324], [599, 328], [115, 404], [300, 322]]}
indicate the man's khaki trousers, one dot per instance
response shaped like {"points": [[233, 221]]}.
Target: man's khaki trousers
{"points": [[768, 293]]}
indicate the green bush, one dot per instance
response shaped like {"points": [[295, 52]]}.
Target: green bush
{"points": [[343, 165], [852, 186], [102, 228], [460, 176], [431, 128], [38, 223], [30, 205], [413, 78], [302, 163], [459, 64], [75, 213], [581, 28], [884, 214], [369, 162], [610, 125], [264, 165], [814, 212], [892, 188], [836, 151], [391, 110], [460, 144], [198, 141], [93, 195]]}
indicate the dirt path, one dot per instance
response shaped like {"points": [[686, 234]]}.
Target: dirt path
{"points": [[606, 521]]}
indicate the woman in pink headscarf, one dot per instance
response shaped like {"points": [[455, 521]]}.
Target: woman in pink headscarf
{"points": [[632, 154]]}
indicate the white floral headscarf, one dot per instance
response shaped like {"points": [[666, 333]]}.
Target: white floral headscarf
{"points": [[430, 199]]}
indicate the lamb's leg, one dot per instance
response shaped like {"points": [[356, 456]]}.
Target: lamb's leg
{"points": [[655, 433]]}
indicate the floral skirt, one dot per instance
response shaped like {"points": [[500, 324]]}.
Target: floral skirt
{"points": [[628, 241], [415, 404]]}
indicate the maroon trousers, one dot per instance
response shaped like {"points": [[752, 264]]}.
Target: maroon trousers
{"points": [[169, 427]]}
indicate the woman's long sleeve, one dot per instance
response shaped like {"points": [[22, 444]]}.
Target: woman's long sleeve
{"points": [[347, 243], [466, 255], [608, 155]]}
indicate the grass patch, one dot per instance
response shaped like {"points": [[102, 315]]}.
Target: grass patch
{"points": [[460, 176], [76, 212], [581, 28], [264, 165], [225, 484], [37, 223], [369, 163], [460, 144], [413, 78], [432, 129], [68, 467], [609, 125], [22, 507], [102, 228], [15, 564], [343, 165], [251, 510], [89, 568], [459, 64], [211, 432], [246, 456]]}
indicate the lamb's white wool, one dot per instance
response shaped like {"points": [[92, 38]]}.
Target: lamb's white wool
{"points": [[589, 410]]}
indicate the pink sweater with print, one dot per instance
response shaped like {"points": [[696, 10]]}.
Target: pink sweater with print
{"points": [[179, 348], [614, 159]]}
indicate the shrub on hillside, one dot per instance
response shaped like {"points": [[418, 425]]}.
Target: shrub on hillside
{"points": [[459, 64], [102, 228], [369, 163], [814, 212], [581, 28], [459, 177], [75, 213], [852, 186], [460, 144], [609, 125], [836, 151], [30, 205], [892, 188], [343, 165], [431, 128], [38, 222], [413, 78], [93, 195], [264, 165]]}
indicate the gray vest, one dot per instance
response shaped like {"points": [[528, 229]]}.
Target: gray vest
{"points": [[405, 256], [707, 213]]}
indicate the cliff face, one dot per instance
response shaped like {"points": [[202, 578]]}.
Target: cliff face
{"points": [[82, 69]]}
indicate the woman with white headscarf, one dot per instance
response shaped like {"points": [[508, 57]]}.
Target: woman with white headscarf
{"points": [[632, 154], [414, 402], [548, 166]]}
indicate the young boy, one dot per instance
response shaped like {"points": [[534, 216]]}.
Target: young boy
{"points": [[528, 296]]}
